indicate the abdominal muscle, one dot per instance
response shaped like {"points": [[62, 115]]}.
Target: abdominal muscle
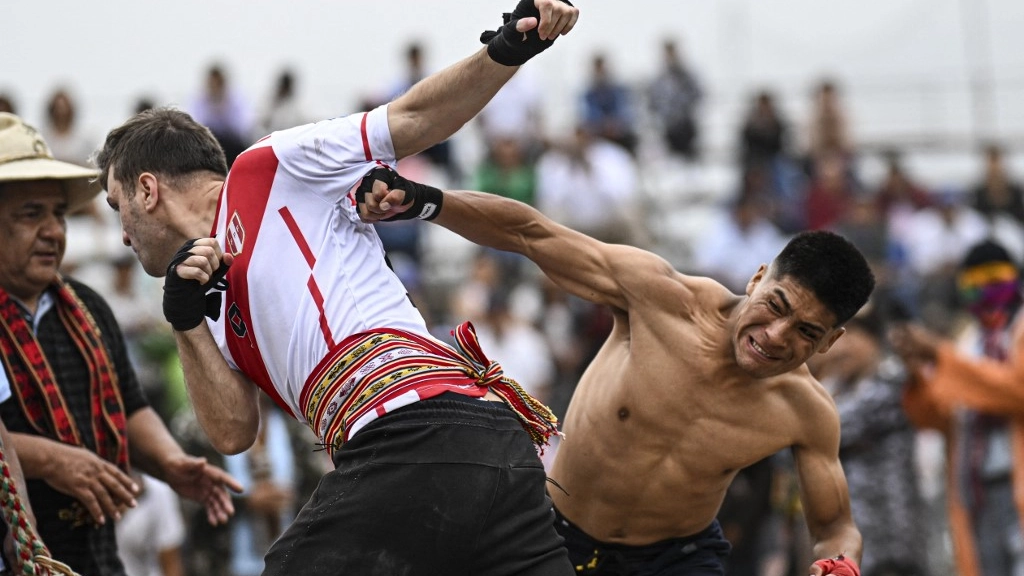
{"points": [[653, 438], [628, 491]]}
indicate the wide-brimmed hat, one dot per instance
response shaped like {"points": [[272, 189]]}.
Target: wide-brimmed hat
{"points": [[24, 155]]}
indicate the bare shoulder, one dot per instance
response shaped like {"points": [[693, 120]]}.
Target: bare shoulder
{"points": [[817, 419], [647, 278]]}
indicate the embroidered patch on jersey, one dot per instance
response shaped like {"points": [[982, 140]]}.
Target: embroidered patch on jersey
{"points": [[236, 321], [235, 239]]}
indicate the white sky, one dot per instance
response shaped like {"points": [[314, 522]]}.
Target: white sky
{"points": [[904, 64]]}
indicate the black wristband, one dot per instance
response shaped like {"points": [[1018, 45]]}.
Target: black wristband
{"points": [[186, 302], [508, 46], [424, 201]]}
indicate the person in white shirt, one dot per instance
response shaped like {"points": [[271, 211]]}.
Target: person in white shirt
{"points": [[311, 314], [150, 536]]}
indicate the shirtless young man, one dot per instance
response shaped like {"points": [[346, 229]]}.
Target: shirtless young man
{"points": [[693, 384]]}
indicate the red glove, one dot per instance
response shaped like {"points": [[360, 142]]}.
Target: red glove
{"points": [[839, 566]]}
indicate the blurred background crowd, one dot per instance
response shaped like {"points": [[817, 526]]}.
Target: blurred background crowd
{"points": [[637, 160]]}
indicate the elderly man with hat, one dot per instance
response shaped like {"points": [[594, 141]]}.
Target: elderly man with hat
{"points": [[76, 412]]}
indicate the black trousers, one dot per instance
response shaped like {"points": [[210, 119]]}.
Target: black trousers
{"points": [[701, 554], [445, 486]]}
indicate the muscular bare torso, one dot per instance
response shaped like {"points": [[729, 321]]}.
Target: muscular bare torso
{"points": [[663, 419]]}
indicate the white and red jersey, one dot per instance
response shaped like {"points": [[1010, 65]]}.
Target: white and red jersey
{"points": [[306, 273]]}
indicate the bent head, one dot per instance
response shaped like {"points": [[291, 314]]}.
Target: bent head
{"points": [[797, 306], [155, 151]]}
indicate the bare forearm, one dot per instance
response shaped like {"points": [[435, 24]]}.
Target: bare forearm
{"points": [[151, 443], [225, 401], [577, 263], [490, 220], [845, 540], [439, 105], [37, 455]]}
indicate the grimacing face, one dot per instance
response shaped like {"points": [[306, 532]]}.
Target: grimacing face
{"points": [[780, 325], [140, 229], [32, 235]]}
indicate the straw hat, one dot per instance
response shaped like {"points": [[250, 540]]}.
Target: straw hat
{"points": [[25, 156]]}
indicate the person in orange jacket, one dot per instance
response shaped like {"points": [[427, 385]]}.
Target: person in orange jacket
{"points": [[975, 396]]}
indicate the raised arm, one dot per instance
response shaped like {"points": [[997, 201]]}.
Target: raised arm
{"points": [[440, 104], [602, 273], [823, 489], [576, 262]]}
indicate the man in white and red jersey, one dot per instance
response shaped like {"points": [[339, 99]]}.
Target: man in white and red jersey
{"points": [[436, 468]]}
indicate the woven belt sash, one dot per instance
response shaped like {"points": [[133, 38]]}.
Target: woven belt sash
{"points": [[368, 370]]}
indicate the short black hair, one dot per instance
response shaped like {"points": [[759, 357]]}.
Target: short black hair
{"points": [[986, 252], [831, 267], [161, 140]]}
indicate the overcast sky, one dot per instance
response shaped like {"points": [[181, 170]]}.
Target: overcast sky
{"points": [[906, 65]]}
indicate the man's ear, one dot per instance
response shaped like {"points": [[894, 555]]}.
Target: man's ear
{"points": [[756, 278], [149, 187], [831, 340]]}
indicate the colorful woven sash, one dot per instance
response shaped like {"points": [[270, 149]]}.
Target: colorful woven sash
{"points": [[32, 553], [371, 373], [34, 385]]}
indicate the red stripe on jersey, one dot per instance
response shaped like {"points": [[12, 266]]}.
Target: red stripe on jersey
{"points": [[216, 215], [319, 299], [252, 177], [314, 289], [366, 139], [293, 227]]}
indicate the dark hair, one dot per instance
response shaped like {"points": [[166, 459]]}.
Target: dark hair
{"points": [[57, 96], [831, 267], [216, 71], [7, 104], [993, 150], [162, 140], [144, 103], [285, 85], [986, 252]]}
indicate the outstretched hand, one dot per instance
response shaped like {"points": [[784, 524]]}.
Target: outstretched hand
{"points": [[196, 479]]}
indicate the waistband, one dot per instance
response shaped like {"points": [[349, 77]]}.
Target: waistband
{"points": [[447, 407], [688, 543], [373, 373]]}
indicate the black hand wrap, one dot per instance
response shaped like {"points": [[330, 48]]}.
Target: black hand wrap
{"points": [[425, 200], [508, 46], [187, 301]]}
